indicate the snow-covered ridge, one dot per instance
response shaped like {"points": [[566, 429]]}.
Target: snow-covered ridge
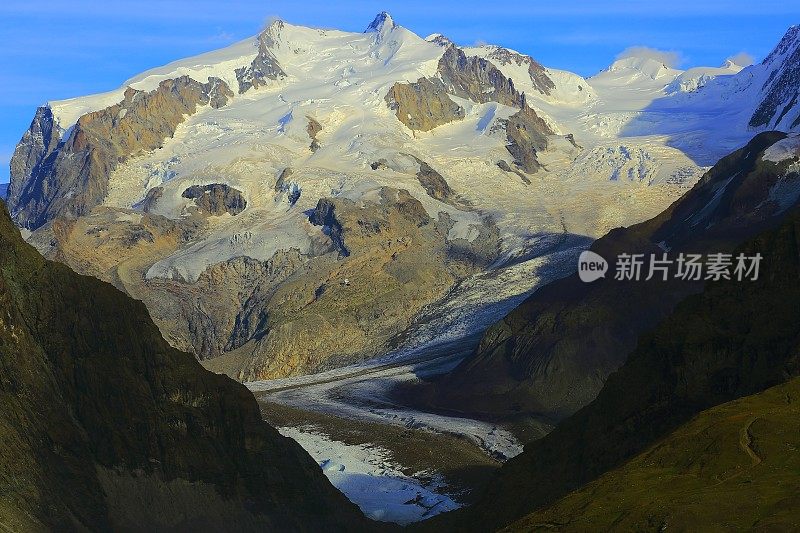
{"points": [[787, 148], [218, 64]]}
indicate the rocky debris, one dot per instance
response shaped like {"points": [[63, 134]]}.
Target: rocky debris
{"points": [[313, 129], [222, 310], [216, 199], [476, 79], [265, 66], [71, 177], [135, 234], [506, 168], [527, 134], [541, 81], [151, 199], [423, 105], [388, 259], [106, 427]]}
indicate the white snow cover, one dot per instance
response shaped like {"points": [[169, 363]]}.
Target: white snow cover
{"points": [[366, 475], [644, 132], [784, 149], [219, 63]]}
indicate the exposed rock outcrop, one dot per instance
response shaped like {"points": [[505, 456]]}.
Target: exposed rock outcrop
{"points": [[264, 67], [423, 105], [291, 188], [476, 79], [107, 428], [67, 177], [505, 167], [313, 129], [216, 199], [527, 134], [541, 81], [388, 260], [151, 199]]}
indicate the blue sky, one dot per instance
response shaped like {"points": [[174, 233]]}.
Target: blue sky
{"points": [[53, 50]]}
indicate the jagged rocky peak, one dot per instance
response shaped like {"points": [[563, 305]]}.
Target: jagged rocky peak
{"points": [[476, 79], [264, 66], [441, 40], [788, 45], [504, 56], [383, 21], [270, 37], [52, 177], [780, 91]]}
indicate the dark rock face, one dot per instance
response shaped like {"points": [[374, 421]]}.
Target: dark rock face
{"points": [[552, 354], [434, 183], [505, 167], [53, 177], [325, 215], [734, 339], [526, 133], [32, 151], [264, 66], [291, 188], [541, 81], [423, 105], [782, 88], [106, 427], [151, 199], [476, 79], [216, 199], [313, 128]]}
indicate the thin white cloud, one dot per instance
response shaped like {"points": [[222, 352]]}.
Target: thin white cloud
{"points": [[743, 59], [670, 58]]}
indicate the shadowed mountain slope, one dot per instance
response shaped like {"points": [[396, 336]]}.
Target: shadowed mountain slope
{"points": [[106, 427], [552, 354], [735, 339]]}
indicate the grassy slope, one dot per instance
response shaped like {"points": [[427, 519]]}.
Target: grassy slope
{"points": [[733, 467]]}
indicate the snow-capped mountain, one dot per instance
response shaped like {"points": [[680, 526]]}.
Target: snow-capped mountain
{"points": [[303, 198]]}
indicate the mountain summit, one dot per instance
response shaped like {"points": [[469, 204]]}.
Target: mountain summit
{"points": [[235, 191], [382, 21]]}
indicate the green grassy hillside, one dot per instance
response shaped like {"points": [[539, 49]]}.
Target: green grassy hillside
{"points": [[735, 467]]}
